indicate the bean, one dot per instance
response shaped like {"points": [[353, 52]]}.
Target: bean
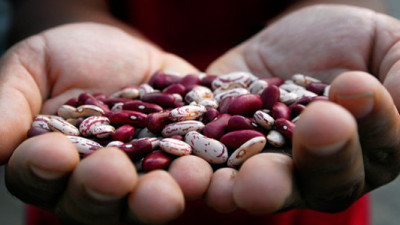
{"points": [[247, 150], [175, 147], [159, 98], [124, 133], [209, 149], [157, 121], [235, 139], [216, 128], [134, 118], [270, 96], [155, 160], [140, 106], [245, 105]]}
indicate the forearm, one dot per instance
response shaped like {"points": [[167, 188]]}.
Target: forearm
{"points": [[33, 16]]}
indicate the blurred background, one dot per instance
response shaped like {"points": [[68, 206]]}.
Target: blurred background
{"points": [[385, 201]]}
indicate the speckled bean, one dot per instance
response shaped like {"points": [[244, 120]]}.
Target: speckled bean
{"points": [[264, 119], [188, 112], [84, 145], [181, 128], [62, 126], [247, 150], [175, 147], [209, 149]]}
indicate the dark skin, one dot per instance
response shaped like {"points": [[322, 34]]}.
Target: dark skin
{"points": [[348, 156]]}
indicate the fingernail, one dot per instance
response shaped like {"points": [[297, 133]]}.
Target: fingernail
{"points": [[101, 196], [46, 174], [359, 105], [326, 150]]}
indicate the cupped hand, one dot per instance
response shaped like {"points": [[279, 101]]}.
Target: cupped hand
{"points": [[39, 74], [341, 149]]}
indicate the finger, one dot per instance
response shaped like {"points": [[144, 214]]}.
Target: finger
{"points": [[328, 158], [156, 199], [97, 189], [220, 192], [22, 88], [39, 169], [265, 184], [378, 121], [193, 175]]}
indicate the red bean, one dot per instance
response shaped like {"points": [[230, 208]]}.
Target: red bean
{"points": [[277, 81], [134, 118], [160, 80], [124, 133], [155, 160], [140, 106], [280, 110], [137, 149], [245, 105], [270, 96], [175, 88], [285, 127], [216, 128], [207, 80], [237, 122], [162, 99], [235, 139], [189, 80], [317, 87], [210, 115], [157, 121]]}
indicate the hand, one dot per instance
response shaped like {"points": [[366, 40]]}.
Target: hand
{"points": [[340, 151], [41, 73]]}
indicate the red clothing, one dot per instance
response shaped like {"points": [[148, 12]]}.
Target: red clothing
{"points": [[200, 31]]}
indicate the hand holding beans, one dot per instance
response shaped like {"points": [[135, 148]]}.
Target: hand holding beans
{"points": [[340, 151]]}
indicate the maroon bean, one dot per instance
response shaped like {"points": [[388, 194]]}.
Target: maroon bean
{"points": [[319, 98], [304, 100], [160, 80], [296, 109], [157, 121], [210, 115], [134, 118], [140, 106], [72, 102], [88, 99], [270, 96], [277, 81], [280, 110], [235, 139], [162, 99], [317, 87], [155, 160], [137, 149], [99, 96], [175, 88], [189, 80], [216, 128], [207, 80], [35, 131], [124, 133], [245, 105], [112, 101], [237, 122], [224, 104], [285, 127]]}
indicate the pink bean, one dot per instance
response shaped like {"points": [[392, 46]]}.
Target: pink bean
{"points": [[270, 96], [280, 110], [245, 105], [155, 160], [235, 139], [216, 128]]}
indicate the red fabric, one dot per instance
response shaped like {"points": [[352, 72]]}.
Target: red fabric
{"points": [[197, 213], [200, 31]]}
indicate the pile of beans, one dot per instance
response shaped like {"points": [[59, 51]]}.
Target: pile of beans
{"points": [[223, 119]]}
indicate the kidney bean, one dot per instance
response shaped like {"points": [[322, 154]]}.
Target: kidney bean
{"points": [[264, 119], [275, 138], [277, 81], [319, 98], [129, 91], [245, 105], [303, 80], [296, 109], [175, 89], [234, 77], [35, 131], [155, 160], [207, 80], [137, 149], [157, 121], [84, 145], [280, 110], [235, 139], [257, 87], [88, 99], [198, 93], [216, 128], [62, 126], [224, 104], [188, 112], [190, 79], [116, 144], [317, 87], [140, 106], [159, 98], [177, 137], [232, 92], [237, 122], [160, 79], [72, 102], [285, 127], [134, 118], [270, 96], [181, 128], [210, 115], [124, 133]]}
